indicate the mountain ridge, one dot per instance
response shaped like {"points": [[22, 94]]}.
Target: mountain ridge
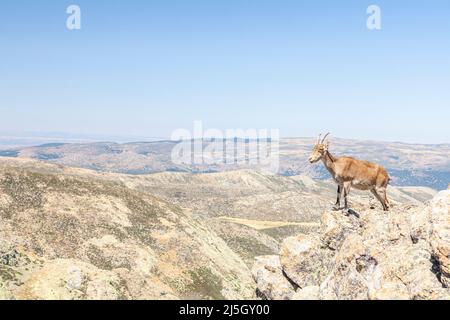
{"points": [[408, 164]]}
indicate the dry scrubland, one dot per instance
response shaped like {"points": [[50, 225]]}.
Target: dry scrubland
{"points": [[71, 233]]}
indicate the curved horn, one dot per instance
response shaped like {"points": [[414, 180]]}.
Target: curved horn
{"points": [[318, 139], [323, 140]]}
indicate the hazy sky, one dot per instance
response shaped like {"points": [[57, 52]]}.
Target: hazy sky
{"points": [[149, 67]]}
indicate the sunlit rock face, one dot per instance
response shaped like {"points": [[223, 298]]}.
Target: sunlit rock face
{"points": [[401, 254]]}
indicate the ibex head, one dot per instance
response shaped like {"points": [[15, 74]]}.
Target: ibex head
{"points": [[320, 148]]}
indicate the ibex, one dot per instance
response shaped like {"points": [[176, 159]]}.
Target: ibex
{"points": [[349, 172]]}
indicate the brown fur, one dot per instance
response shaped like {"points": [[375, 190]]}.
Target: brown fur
{"points": [[350, 173]]}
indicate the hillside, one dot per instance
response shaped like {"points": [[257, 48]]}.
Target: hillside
{"points": [[70, 236], [254, 212], [408, 164]]}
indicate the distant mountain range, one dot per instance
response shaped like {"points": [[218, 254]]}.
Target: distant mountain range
{"points": [[408, 164], [11, 140]]}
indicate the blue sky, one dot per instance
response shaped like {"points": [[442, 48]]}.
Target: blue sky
{"points": [[146, 68]]}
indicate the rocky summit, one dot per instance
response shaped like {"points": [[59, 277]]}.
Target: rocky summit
{"points": [[364, 255]]}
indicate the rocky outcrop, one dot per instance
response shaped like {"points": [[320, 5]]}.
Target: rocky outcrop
{"points": [[401, 254], [440, 235]]}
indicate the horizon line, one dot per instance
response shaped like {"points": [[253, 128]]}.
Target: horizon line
{"points": [[82, 138]]}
